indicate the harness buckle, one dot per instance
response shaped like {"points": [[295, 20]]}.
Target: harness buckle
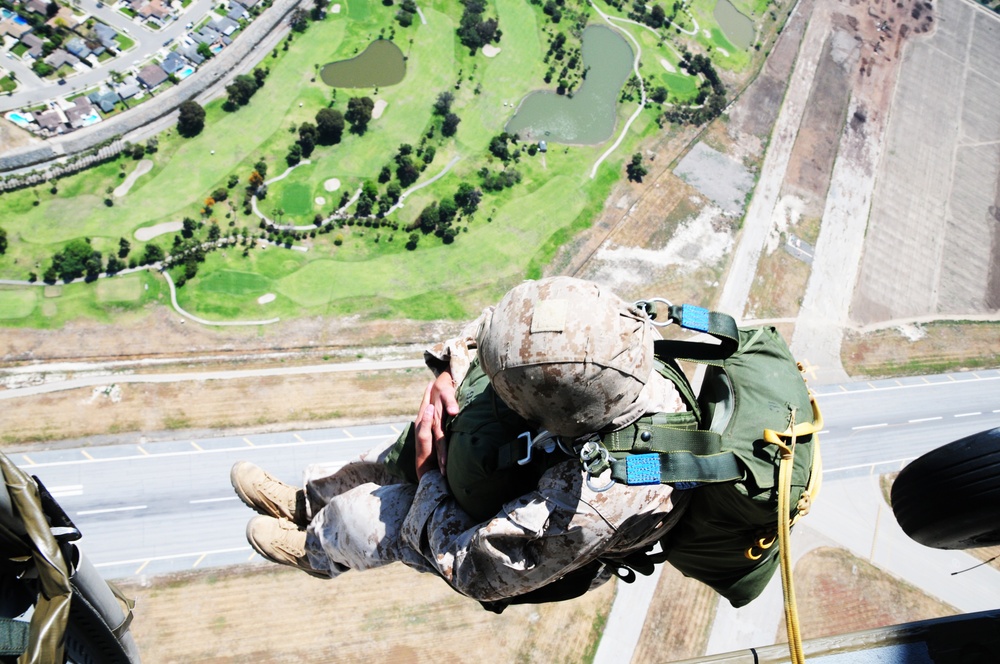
{"points": [[648, 309]]}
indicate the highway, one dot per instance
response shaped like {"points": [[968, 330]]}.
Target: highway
{"points": [[149, 508]]}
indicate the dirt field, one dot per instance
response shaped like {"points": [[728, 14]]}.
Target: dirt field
{"points": [[915, 350], [839, 593], [934, 241], [678, 621], [271, 614]]}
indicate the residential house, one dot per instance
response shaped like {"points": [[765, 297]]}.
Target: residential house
{"points": [[151, 76], [65, 16], [51, 121], [226, 26], [191, 54], [106, 35], [59, 57], [154, 9], [36, 6], [104, 99], [16, 30], [237, 12], [34, 44], [128, 88], [207, 35], [173, 63], [77, 47], [81, 113]]}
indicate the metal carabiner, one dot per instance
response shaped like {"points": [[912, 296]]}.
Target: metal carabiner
{"points": [[595, 457], [648, 308], [544, 440]]}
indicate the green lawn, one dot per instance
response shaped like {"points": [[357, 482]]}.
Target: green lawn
{"points": [[7, 84], [19, 49], [124, 42], [18, 303], [513, 234]]}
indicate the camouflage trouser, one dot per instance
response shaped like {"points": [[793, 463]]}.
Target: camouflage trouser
{"points": [[357, 512]]}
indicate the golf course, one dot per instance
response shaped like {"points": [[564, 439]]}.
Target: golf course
{"points": [[303, 248]]}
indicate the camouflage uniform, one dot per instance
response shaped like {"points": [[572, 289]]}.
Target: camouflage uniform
{"points": [[365, 518]]}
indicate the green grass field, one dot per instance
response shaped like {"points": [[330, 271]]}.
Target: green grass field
{"points": [[18, 303], [513, 234]]}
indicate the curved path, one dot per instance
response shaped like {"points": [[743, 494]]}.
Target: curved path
{"points": [[642, 92], [340, 212], [233, 323]]}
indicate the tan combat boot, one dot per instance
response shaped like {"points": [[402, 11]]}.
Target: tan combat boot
{"points": [[268, 495], [280, 541]]}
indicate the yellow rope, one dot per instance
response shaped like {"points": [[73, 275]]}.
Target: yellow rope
{"points": [[784, 548]]}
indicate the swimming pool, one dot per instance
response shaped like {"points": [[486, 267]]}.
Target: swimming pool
{"points": [[20, 120], [93, 118], [184, 73], [6, 13]]}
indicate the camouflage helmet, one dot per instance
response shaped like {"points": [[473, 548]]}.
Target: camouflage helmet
{"points": [[567, 354]]}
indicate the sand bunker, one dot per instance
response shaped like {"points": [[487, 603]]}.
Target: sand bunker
{"points": [[379, 107], [264, 299], [141, 169], [669, 67], [149, 232], [333, 184], [320, 200], [335, 9], [491, 51]]}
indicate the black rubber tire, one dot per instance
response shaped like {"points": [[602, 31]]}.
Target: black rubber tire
{"points": [[949, 498]]}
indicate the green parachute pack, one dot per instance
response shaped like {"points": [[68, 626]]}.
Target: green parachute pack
{"points": [[753, 408]]}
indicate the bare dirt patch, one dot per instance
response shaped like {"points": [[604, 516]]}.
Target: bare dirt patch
{"points": [[778, 287], [839, 593], [12, 136], [288, 402], [939, 347], [270, 614]]}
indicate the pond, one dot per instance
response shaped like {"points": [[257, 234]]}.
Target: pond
{"points": [[588, 118], [737, 27], [380, 65]]}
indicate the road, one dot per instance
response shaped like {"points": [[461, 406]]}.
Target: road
{"points": [[151, 508]]}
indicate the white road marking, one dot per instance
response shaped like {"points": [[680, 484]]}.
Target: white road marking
{"points": [[967, 414], [924, 419], [66, 491], [137, 561], [870, 426], [113, 509], [211, 500]]}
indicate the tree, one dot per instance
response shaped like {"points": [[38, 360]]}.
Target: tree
{"points": [[241, 90], [72, 262], [94, 266], [214, 232], [657, 17], [294, 155], [450, 124], [299, 20], [659, 95], [393, 191], [308, 134], [468, 198], [190, 119], [406, 172], [124, 246], [447, 210], [359, 113], [329, 126], [3, 241], [204, 50], [255, 180], [188, 227], [443, 104], [259, 74], [635, 169], [429, 218]]}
